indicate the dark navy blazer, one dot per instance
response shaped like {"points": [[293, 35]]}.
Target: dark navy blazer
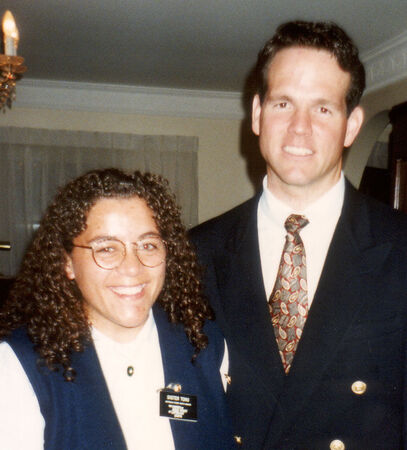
{"points": [[80, 414], [356, 331]]}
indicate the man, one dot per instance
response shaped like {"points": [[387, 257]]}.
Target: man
{"points": [[315, 323]]}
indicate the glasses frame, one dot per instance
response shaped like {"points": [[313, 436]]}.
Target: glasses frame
{"points": [[88, 247]]}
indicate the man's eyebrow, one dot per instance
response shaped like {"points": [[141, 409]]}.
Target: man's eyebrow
{"points": [[326, 101], [277, 96]]}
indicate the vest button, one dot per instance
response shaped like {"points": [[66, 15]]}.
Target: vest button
{"points": [[130, 371]]}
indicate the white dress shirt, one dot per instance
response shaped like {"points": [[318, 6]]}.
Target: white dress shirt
{"points": [[323, 217], [135, 398]]}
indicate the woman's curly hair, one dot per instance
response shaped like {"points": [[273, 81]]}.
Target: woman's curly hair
{"points": [[50, 306]]}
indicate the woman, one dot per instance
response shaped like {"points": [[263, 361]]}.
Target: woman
{"points": [[104, 339]]}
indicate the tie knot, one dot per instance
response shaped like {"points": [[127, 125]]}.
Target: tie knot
{"points": [[295, 223]]}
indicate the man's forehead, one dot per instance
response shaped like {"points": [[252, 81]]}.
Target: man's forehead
{"points": [[307, 50], [302, 65]]}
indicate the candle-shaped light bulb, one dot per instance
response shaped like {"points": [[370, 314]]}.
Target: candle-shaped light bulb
{"points": [[11, 35]]}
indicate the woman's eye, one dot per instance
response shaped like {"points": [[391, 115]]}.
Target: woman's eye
{"points": [[105, 250], [148, 246]]}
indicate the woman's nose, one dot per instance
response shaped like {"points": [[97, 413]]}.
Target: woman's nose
{"points": [[131, 263]]}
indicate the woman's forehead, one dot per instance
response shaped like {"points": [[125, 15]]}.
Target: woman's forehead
{"points": [[119, 217]]}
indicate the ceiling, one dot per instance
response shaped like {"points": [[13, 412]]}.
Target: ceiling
{"points": [[183, 44]]}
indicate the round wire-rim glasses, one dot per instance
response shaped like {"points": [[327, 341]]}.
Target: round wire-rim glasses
{"points": [[110, 253]]}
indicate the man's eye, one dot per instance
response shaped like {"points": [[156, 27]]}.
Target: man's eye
{"points": [[281, 105], [324, 110]]}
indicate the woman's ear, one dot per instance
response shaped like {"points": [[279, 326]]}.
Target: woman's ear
{"points": [[70, 273]]}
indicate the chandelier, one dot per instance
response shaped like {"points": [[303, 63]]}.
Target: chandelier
{"points": [[11, 65]]}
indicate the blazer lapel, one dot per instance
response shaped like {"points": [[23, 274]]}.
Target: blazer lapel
{"points": [[248, 327], [351, 257]]}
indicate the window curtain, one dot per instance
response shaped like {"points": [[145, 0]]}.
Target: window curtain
{"points": [[35, 162]]}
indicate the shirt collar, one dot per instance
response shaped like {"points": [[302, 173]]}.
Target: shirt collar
{"points": [[143, 337], [327, 207]]}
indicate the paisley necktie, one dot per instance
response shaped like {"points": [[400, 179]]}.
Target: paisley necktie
{"points": [[289, 300]]}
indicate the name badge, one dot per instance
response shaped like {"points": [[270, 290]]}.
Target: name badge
{"points": [[178, 406]]}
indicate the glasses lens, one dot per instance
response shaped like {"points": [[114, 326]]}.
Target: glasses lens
{"points": [[108, 254], [151, 251]]}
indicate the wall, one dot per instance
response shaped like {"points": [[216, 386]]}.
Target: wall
{"points": [[223, 178], [384, 99], [376, 105]]}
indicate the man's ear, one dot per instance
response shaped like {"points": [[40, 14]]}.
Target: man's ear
{"points": [[69, 272], [354, 124], [256, 111]]}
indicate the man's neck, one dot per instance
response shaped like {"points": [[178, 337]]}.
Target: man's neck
{"points": [[299, 197]]}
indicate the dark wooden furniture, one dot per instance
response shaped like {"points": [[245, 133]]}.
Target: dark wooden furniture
{"points": [[5, 285], [398, 156]]}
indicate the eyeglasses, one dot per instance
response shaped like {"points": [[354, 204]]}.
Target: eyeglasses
{"points": [[109, 254]]}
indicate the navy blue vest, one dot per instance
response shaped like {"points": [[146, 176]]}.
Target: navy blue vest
{"points": [[80, 414]]}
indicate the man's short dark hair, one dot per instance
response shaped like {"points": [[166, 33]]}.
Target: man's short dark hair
{"points": [[322, 36]]}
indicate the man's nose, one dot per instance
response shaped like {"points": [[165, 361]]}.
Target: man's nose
{"points": [[301, 122]]}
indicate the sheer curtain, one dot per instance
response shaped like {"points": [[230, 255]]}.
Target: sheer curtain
{"points": [[34, 162]]}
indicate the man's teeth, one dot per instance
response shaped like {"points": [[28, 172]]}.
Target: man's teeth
{"points": [[128, 290], [297, 151]]}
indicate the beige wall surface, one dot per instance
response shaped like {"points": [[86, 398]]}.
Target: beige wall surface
{"points": [[222, 170], [384, 99], [376, 106]]}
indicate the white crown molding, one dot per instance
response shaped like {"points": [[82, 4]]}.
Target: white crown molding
{"points": [[386, 64], [128, 99]]}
